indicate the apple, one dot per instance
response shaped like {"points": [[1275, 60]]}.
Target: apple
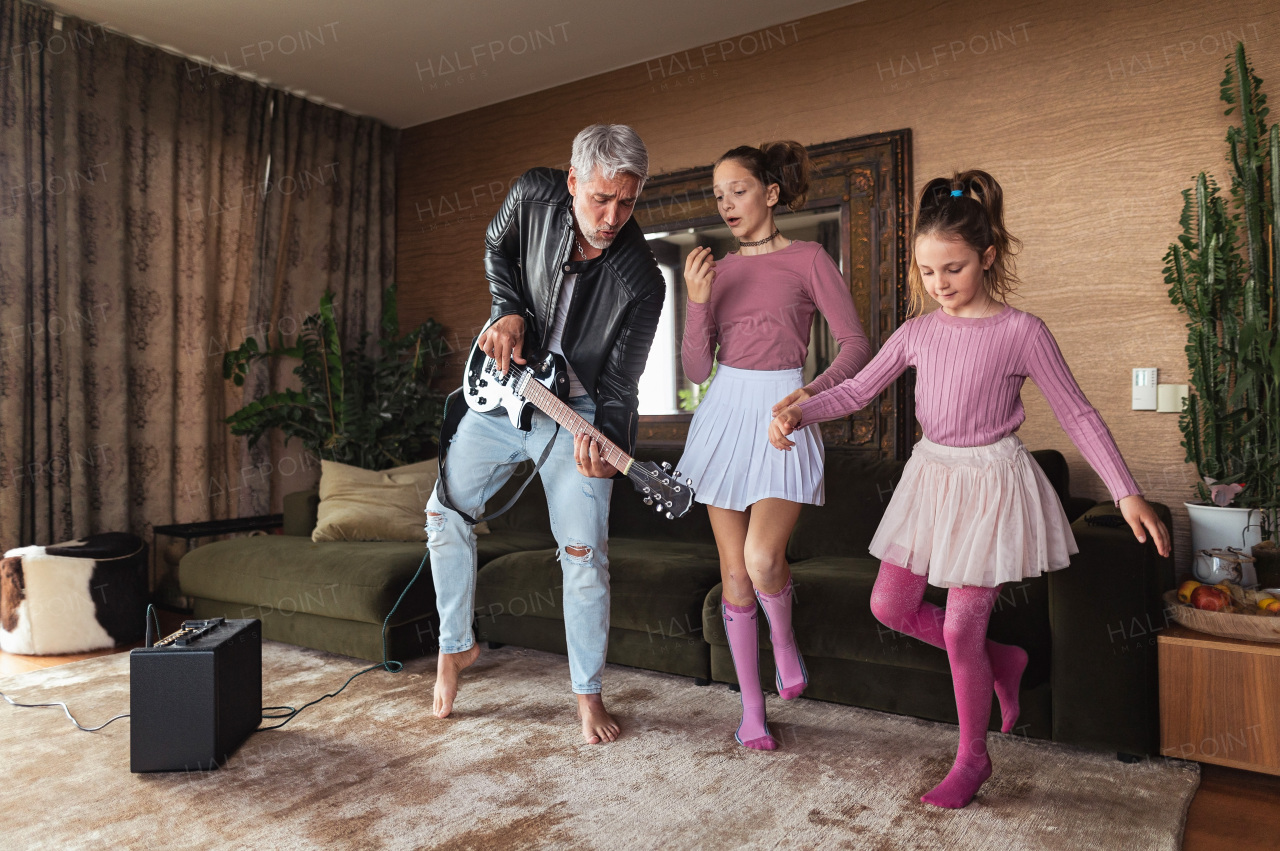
{"points": [[1210, 599], [1185, 589]]}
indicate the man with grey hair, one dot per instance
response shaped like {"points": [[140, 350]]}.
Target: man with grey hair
{"points": [[569, 272]]}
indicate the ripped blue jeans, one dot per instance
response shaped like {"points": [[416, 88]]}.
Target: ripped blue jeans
{"points": [[483, 455]]}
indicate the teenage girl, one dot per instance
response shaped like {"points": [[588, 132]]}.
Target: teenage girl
{"points": [[757, 305], [973, 509]]}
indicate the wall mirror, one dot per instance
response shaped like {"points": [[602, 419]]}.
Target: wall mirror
{"points": [[858, 211]]}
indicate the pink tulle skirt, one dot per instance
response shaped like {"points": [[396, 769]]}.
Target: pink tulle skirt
{"points": [[974, 515]]}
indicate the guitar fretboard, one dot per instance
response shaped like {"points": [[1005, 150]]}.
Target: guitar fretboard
{"points": [[550, 404]]}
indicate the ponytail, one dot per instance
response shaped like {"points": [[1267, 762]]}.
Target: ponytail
{"points": [[968, 207], [785, 163]]}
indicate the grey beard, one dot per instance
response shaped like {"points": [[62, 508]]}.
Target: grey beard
{"points": [[593, 239]]}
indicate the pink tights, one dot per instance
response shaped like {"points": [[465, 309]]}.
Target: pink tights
{"points": [[977, 666]]}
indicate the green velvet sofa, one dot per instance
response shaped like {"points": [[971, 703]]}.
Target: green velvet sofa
{"points": [[1089, 629]]}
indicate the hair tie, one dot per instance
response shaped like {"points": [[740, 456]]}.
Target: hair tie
{"points": [[956, 193]]}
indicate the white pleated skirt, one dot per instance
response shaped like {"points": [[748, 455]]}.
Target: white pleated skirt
{"points": [[728, 454], [974, 515]]}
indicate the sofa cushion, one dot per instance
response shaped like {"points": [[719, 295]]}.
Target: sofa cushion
{"points": [[656, 587], [859, 487], [832, 619], [357, 581], [373, 505]]}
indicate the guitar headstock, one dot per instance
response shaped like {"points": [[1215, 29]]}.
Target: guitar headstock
{"points": [[662, 488]]}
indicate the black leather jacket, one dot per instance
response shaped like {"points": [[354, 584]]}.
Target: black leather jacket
{"points": [[616, 301]]}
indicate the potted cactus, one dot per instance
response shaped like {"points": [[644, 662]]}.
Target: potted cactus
{"points": [[1221, 274]]}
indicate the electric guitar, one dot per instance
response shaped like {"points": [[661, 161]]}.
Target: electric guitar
{"points": [[544, 386]]}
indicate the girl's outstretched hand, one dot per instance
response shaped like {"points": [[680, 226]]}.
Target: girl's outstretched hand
{"points": [[1142, 518], [795, 397], [783, 424], [699, 274]]}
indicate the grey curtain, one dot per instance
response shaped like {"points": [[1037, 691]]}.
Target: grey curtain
{"points": [[156, 213]]}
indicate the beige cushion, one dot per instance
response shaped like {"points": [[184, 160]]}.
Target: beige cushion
{"points": [[375, 505]]}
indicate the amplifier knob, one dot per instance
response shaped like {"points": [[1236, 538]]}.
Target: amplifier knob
{"points": [[483, 401]]}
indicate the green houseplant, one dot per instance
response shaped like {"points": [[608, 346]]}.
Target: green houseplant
{"points": [[370, 412], [1221, 274]]}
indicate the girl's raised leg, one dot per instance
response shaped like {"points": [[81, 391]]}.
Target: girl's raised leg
{"points": [[738, 608], [897, 601]]}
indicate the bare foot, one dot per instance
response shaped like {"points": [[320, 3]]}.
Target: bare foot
{"points": [[448, 667], [597, 725]]}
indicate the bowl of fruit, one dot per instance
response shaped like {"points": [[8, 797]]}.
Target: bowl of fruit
{"points": [[1227, 610]]}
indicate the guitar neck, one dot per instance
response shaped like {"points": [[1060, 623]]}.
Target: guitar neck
{"points": [[550, 404]]}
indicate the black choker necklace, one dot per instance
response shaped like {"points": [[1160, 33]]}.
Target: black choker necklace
{"points": [[768, 238]]}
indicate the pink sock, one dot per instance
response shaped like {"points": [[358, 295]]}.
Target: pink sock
{"points": [[965, 632], [792, 676], [744, 646], [897, 601]]}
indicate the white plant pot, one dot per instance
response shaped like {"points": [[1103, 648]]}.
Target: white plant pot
{"points": [[1214, 527]]}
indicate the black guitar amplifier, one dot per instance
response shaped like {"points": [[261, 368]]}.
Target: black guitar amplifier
{"points": [[195, 695]]}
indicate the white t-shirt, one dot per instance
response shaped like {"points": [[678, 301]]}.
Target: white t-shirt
{"points": [[562, 314]]}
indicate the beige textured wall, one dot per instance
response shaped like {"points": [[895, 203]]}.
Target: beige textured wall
{"points": [[1093, 116]]}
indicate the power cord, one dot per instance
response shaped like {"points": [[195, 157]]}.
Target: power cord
{"points": [[64, 709], [288, 713], [151, 616]]}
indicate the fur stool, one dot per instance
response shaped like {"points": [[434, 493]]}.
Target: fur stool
{"points": [[73, 597]]}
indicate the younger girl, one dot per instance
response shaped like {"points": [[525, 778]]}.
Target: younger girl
{"points": [[758, 305], [973, 509]]}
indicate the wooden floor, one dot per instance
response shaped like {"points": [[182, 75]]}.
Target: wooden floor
{"points": [[1233, 809]]}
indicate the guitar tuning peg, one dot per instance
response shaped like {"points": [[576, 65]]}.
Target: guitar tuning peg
{"points": [[676, 474], [669, 517], [648, 501], [666, 466], [659, 508], [689, 482]]}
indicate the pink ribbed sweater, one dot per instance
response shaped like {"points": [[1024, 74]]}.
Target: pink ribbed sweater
{"points": [[760, 312], [969, 374]]}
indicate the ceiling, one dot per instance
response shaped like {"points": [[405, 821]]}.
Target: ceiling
{"points": [[410, 61]]}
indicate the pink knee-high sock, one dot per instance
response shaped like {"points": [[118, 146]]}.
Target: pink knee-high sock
{"points": [[897, 601], [964, 631], [744, 646], [792, 676]]}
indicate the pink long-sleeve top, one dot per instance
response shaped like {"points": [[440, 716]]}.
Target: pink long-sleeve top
{"points": [[969, 376], [761, 310]]}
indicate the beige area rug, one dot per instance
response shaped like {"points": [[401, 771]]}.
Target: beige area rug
{"points": [[372, 769]]}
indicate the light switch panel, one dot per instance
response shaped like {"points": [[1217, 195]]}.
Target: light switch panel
{"points": [[1144, 389]]}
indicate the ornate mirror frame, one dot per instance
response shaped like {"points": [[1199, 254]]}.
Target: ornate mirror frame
{"points": [[868, 178]]}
